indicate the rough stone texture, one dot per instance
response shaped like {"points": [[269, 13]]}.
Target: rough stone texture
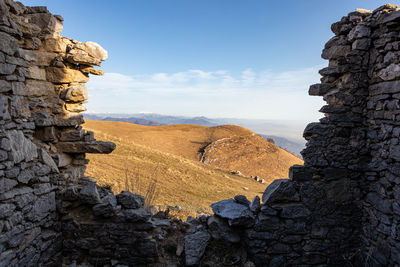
{"points": [[195, 246], [342, 208], [32, 112]]}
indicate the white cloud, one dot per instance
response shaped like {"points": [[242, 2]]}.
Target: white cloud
{"points": [[267, 94]]}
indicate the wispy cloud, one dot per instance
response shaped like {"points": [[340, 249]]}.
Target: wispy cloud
{"points": [[267, 94]]}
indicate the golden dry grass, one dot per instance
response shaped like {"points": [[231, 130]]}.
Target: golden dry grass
{"points": [[252, 155], [170, 154]]}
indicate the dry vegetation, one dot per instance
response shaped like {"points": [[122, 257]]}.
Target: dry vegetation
{"points": [[170, 155], [252, 155]]}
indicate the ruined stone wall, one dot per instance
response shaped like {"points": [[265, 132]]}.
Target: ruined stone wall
{"points": [[42, 145], [341, 208]]}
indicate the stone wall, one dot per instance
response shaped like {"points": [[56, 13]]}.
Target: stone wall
{"points": [[341, 208], [43, 146]]}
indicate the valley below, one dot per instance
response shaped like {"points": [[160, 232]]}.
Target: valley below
{"points": [[186, 167]]}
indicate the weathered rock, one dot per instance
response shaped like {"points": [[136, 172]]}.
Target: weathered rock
{"points": [[7, 184], [86, 147], [195, 246], [6, 210], [4, 113], [7, 69], [241, 199], [44, 156], [294, 211], [4, 86], [91, 70], [76, 93], [70, 193], [89, 194], [50, 26], [129, 200], [65, 75], [255, 205], [8, 44], [88, 53], [280, 190], [107, 208], [220, 229], [135, 215], [25, 176], [42, 207], [40, 88], [21, 147], [360, 31], [237, 214], [42, 118]]}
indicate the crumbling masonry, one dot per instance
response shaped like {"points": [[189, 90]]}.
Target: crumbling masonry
{"points": [[342, 208]]}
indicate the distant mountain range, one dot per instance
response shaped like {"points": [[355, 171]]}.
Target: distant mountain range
{"points": [[266, 129], [284, 143]]}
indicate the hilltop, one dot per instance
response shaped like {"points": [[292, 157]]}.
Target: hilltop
{"points": [[281, 132], [173, 154]]}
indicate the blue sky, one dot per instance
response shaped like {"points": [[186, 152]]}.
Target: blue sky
{"points": [[217, 58]]}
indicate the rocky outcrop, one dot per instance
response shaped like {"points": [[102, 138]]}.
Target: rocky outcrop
{"points": [[342, 207]]}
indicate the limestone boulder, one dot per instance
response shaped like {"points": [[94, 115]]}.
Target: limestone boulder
{"points": [[89, 53], [75, 93], [74, 107], [65, 75], [91, 70], [56, 45]]}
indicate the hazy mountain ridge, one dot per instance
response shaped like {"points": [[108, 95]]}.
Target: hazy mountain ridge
{"points": [[284, 143], [265, 128]]}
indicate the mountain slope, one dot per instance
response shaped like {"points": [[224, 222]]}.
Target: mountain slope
{"points": [[251, 155], [279, 130], [182, 140], [172, 155]]}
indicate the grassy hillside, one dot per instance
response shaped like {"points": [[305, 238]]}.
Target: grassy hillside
{"points": [[170, 156], [251, 155]]}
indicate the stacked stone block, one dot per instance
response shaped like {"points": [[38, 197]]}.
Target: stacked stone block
{"points": [[42, 145]]}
